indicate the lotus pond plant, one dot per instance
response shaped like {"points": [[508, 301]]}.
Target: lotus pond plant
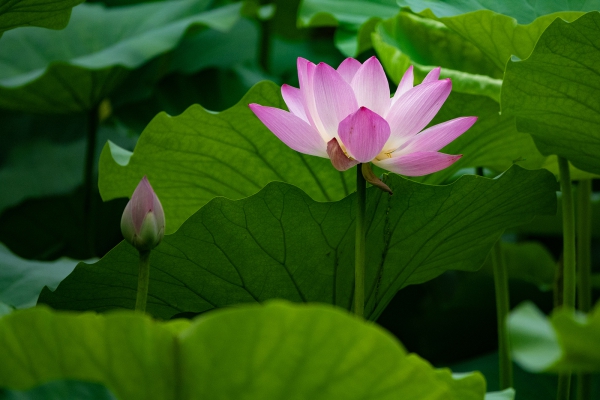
{"points": [[274, 274], [347, 115], [143, 226]]}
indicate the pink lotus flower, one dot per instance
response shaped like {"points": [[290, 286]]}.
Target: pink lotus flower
{"points": [[348, 116], [143, 221]]}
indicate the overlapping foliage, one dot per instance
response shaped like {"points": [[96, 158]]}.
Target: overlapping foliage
{"points": [[249, 220]]}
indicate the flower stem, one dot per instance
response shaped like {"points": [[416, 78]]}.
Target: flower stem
{"points": [[359, 266], [89, 214], [584, 268], [502, 308], [143, 281], [569, 273]]}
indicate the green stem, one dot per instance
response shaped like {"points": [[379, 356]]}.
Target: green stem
{"points": [[564, 386], [143, 281], [359, 270], [584, 268], [569, 260], [89, 214], [584, 245], [502, 308], [569, 273]]}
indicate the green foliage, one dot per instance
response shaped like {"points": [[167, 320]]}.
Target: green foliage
{"points": [[511, 8], [60, 171], [255, 249], [564, 342], [52, 14], [87, 67], [206, 154], [355, 20], [499, 31], [21, 281], [528, 262], [528, 385], [413, 39], [258, 352], [554, 92]]}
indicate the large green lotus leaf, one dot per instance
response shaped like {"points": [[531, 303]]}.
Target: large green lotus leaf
{"points": [[563, 342], [52, 14], [97, 51], [198, 155], [274, 351], [427, 42], [554, 93], [280, 243], [129, 353], [512, 8], [355, 20], [21, 281], [501, 29]]}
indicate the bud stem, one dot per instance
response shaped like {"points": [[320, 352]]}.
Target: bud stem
{"points": [[143, 281], [359, 269]]}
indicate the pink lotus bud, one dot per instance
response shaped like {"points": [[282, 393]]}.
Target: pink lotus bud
{"points": [[143, 221]]}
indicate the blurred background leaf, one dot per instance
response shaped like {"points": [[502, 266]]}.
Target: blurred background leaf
{"points": [[53, 14], [307, 348], [567, 341], [86, 67], [21, 281]]}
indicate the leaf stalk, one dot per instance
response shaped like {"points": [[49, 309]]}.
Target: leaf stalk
{"points": [[502, 309]]}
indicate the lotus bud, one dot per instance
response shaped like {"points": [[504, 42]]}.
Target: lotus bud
{"points": [[143, 221]]}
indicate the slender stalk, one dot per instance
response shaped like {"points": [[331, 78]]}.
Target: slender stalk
{"points": [[569, 273], [143, 281], [564, 386], [264, 48], [584, 245], [89, 217], [359, 269], [569, 260], [584, 269], [502, 308]]}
